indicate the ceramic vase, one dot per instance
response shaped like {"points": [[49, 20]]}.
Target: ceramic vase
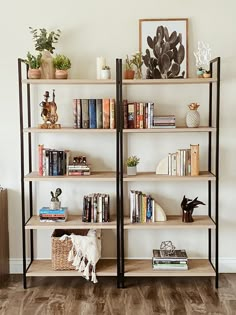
{"points": [[54, 205], [105, 74], [193, 116], [47, 68]]}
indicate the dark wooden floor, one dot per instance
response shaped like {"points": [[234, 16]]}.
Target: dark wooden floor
{"points": [[148, 296]]}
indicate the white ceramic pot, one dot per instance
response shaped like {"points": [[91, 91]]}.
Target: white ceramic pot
{"points": [[55, 205], [105, 74], [131, 170]]}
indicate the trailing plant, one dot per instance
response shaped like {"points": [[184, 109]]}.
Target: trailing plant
{"points": [[34, 62], [168, 54], [137, 60], [61, 62], [43, 39], [132, 160]]}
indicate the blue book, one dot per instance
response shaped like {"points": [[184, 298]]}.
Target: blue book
{"points": [[47, 210], [92, 113]]}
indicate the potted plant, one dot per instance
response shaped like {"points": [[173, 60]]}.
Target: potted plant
{"points": [[44, 42], [105, 73], [34, 63], [207, 74], [62, 64], [138, 62], [132, 163], [200, 72], [129, 72]]}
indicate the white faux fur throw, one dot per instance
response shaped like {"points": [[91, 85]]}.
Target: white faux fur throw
{"points": [[88, 252]]}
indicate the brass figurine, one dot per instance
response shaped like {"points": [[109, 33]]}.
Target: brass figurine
{"points": [[49, 112]]}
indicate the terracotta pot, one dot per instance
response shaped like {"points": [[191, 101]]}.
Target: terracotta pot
{"points": [[61, 74], [206, 75], [34, 73], [129, 74]]}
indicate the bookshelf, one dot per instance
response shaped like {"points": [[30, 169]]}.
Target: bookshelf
{"points": [[121, 267], [207, 224]]}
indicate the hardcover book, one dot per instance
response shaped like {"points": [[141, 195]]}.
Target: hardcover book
{"points": [[85, 113], [99, 113], [92, 113], [106, 113]]}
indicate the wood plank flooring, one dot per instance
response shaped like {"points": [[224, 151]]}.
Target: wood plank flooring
{"points": [[141, 296]]}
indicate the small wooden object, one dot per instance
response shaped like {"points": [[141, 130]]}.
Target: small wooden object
{"points": [[4, 237], [194, 159]]}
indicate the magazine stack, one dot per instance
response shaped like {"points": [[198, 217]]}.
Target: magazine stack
{"points": [[169, 260]]}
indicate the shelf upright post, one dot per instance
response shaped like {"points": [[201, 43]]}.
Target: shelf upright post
{"points": [[22, 169], [119, 175]]}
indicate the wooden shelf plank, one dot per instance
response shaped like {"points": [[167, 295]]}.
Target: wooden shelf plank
{"points": [[40, 268], [73, 222], [68, 81], [173, 222], [171, 130], [153, 177], [143, 268], [125, 82], [68, 130], [95, 176], [170, 81]]}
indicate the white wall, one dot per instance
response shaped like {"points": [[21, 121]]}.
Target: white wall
{"points": [[108, 28]]}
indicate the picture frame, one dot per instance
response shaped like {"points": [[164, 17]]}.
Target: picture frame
{"points": [[164, 47]]}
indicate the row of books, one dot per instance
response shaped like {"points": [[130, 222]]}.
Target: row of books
{"points": [[94, 113], [54, 162], [57, 215], [169, 260], [96, 208], [184, 162], [142, 207]]}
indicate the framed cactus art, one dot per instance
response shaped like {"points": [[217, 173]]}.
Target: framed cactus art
{"points": [[164, 47]]}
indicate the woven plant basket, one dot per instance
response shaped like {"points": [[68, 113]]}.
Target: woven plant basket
{"points": [[60, 249]]}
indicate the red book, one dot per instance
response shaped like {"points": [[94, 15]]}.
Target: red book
{"points": [[40, 157], [106, 113]]}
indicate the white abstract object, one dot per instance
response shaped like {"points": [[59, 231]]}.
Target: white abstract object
{"points": [[159, 213], [162, 167]]}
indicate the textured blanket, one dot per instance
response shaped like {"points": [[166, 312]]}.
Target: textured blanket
{"points": [[85, 253]]}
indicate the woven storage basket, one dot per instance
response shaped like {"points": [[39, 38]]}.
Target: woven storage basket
{"points": [[60, 249]]}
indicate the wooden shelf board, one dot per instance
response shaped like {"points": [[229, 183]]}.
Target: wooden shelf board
{"points": [[173, 222], [170, 81], [95, 176], [171, 130], [68, 130], [73, 222], [153, 177], [40, 268], [68, 81], [143, 268]]}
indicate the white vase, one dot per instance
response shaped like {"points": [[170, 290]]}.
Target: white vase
{"points": [[131, 170], [47, 68], [193, 116]]}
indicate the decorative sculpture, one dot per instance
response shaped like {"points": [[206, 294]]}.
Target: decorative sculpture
{"points": [[168, 247], [49, 112], [188, 206], [55, 203]]}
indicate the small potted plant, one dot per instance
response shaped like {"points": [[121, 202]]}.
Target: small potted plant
{"points": [[138, 62], [207, 74], [62, 64], [129, 71], [200, 72], [132, 163], [44, 42], [34, 63], [105, 73]]}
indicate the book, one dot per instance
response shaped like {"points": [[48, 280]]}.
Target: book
{"points": [[75, 113], [99, 113], [40, 159], [125, 112], [194, 149], [92, 113], [85, 113], [131, 116], [112, 113], [48, 210], [165, 254], [79, 113], [106, 113]]}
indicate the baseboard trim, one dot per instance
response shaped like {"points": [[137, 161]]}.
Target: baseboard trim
{"points": [[226, 265]]}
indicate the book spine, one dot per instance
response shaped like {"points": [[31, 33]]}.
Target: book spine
{"points": [[79, 113], [112, 113], [131, 115], [106, 113], [141, 122], [92, 113], [40, 159], [75, 113], [194, 159], [99, 113], [125, 111], [85, 113]]}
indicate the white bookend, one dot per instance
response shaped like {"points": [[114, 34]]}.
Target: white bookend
{"points": [[162, 167], [159, 213]]}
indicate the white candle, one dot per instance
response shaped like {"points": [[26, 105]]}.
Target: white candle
{"points": [[101, 62]]}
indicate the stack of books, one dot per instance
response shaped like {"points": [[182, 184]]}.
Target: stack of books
{"points": [[48, 215], [165, 121], [78, 170], [163, 260]]}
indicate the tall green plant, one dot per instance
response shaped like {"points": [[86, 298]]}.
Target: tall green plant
{"points": [[43, 39]]}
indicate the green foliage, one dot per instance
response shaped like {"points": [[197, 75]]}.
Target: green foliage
{"points": [[43, 39], [132, 160], [106, 68], [137, 59], [128, 63], [61, 62], [34, 62]]}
